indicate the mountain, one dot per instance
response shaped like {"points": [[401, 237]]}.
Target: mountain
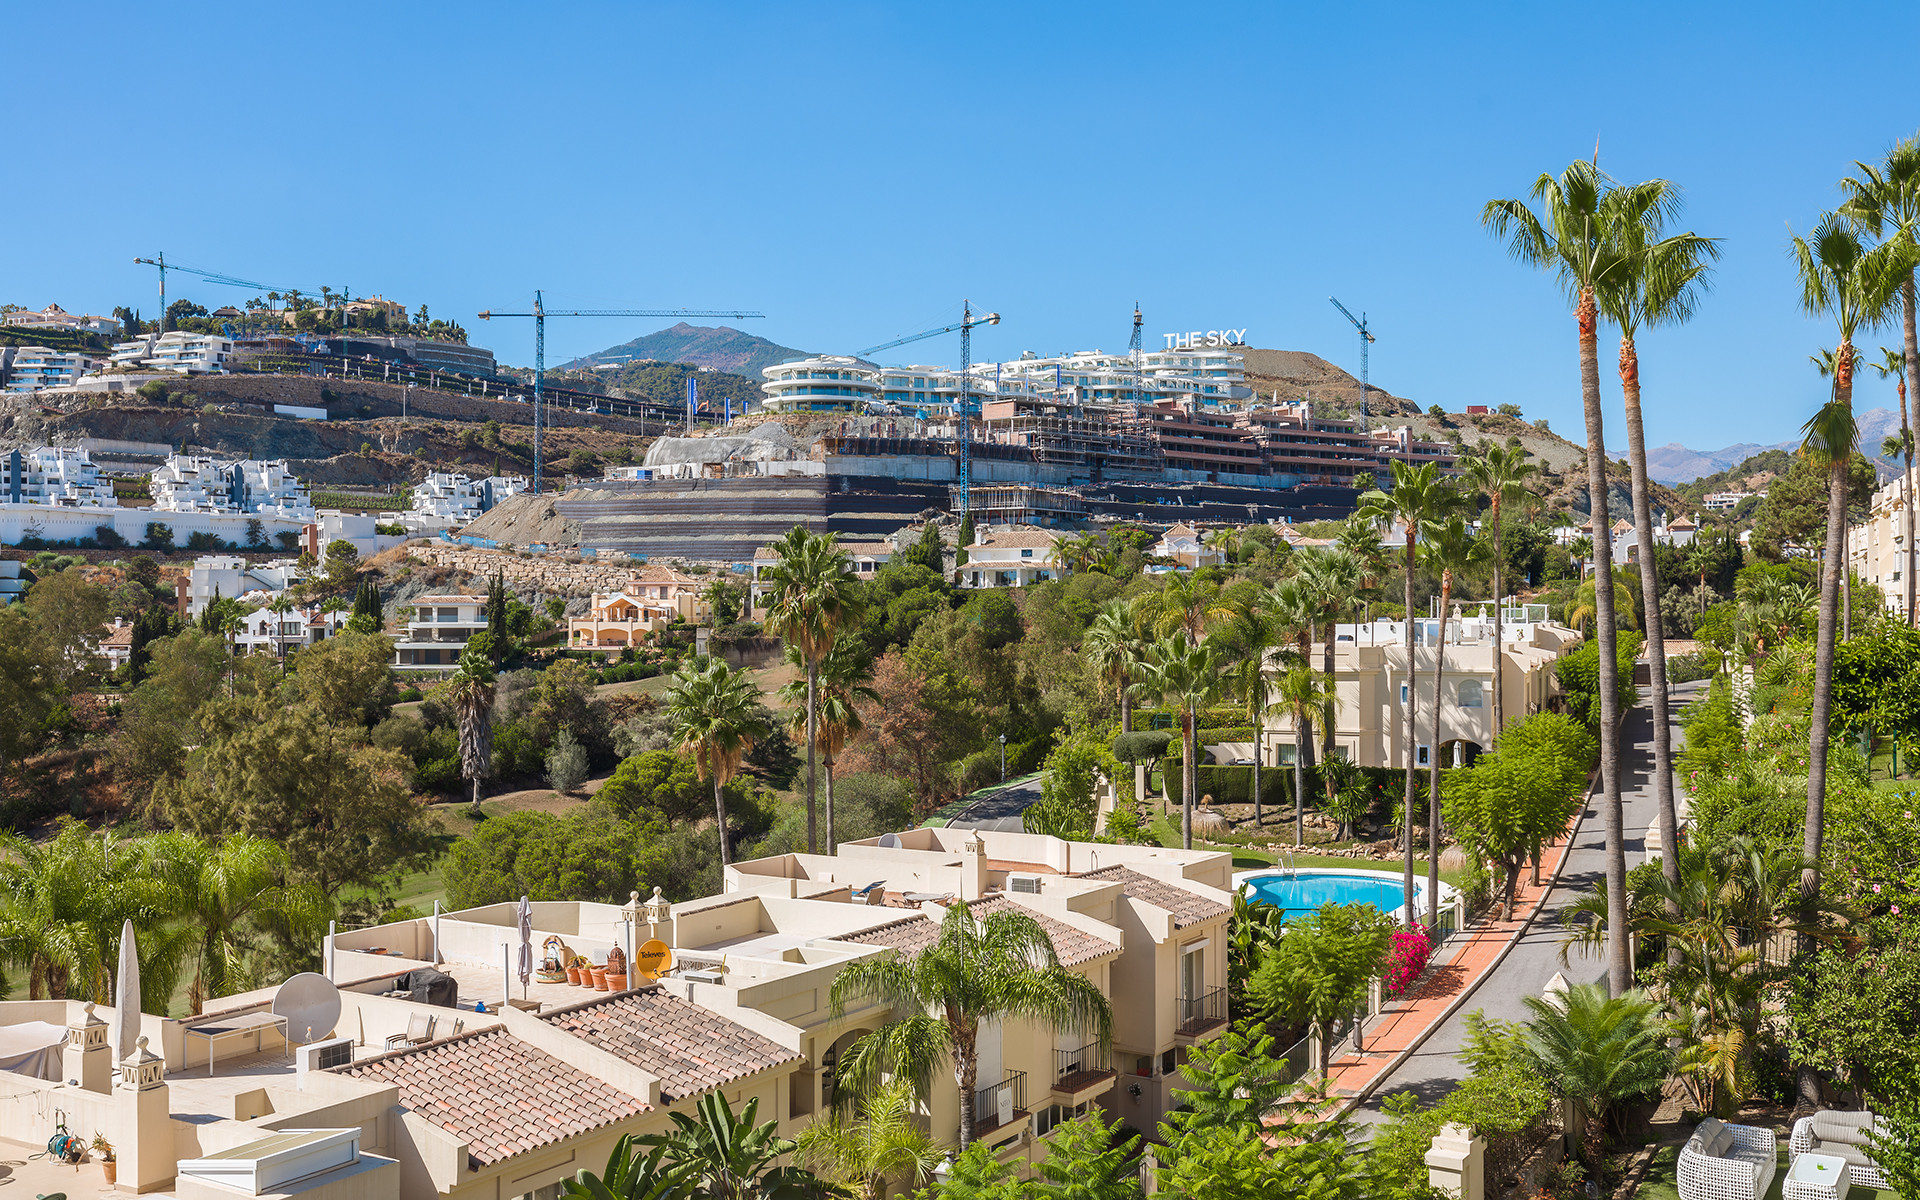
{"points": [[1674, 464], [721, 347]]}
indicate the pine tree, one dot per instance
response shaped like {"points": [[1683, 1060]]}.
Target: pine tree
{"points": [[497, 611], [966, 539]]}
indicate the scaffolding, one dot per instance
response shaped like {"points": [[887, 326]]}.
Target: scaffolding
{"points": [[1021, 504]]}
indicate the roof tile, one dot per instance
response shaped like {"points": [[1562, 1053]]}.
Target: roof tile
{"points": [[914, 934], [691, 1049], [1188, 908]]}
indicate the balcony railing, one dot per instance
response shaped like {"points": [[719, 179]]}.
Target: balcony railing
{"points": [[986, 1101], [1199, 1014], [1084, 1067]]}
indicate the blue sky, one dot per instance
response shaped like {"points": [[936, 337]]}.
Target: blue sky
{"points": [[854, 170]]}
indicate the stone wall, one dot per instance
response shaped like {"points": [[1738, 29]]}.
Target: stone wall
{"points": [[547, 575]]}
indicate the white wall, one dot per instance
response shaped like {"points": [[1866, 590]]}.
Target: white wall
{"points": [[67, 524]]}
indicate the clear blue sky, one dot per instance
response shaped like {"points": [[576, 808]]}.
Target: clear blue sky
{"points": [[853, 171]]}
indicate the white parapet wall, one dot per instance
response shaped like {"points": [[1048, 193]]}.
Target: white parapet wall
{"points": [[55, 524]]}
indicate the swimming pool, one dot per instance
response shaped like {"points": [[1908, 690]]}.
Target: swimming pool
{"points": [[1302, 891]]}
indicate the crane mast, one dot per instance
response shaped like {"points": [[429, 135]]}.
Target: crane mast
{"points": [[1134, 353], [1366, 337], [966, 325]]}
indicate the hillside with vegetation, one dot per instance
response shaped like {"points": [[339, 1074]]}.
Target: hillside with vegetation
{"points": [[718, 347]]}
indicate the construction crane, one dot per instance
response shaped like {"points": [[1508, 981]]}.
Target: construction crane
{"points": [[219, 277], [540, 315], [965, 406], [1366, 338], [1134, 354]]}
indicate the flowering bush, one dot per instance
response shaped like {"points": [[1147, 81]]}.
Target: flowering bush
{"points": [[1406, 959]]}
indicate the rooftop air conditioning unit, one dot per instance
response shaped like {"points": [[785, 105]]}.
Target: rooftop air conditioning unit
{"points": [[711, 975], [1030, 884], [319, 1056]]}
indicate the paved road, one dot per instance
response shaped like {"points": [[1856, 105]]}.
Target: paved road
{"points": [[999, 810], [1434, 1070]]}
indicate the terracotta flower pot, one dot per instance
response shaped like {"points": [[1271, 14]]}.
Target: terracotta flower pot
{"points": [[111, 1170], [617, 983], [573, 976], [599, 979]]}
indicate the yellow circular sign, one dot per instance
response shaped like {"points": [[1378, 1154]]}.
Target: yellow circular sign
{"points": [[653, 958]]}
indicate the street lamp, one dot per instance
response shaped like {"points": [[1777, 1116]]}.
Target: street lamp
{"points": [[1003, 759]]}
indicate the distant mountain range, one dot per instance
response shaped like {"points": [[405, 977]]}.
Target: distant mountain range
{"points": [[1674, 464], [720, 347]]}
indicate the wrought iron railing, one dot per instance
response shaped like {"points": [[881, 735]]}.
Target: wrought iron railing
{"points": [[986, 1101], [1202, 1012], [1090, 1059]]}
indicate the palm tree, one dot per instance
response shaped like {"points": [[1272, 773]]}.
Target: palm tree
{"points": [[1839, 277], [1420, 496], [1571, 238], [1293, 606], [1228, 542], [1255, 635], [1186, 605], [1826, 362], [1502, 475], [715, 715], [1189, 675], [844, 675], [1594, 1052], [813, 599], [1335, 577], [227, 892], [1893, 363], [1450, 547], [712, 1154], [62, 904], [978, 970], [879, 1148], [1581, 551], [1702, 556], [469, 692], [1112, 647], [1889, 194], [1302, 691]]}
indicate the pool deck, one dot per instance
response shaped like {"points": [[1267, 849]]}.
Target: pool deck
{"points": [[1469, 958]]}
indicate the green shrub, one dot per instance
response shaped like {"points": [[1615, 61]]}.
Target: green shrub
{"points": [[1142, 745]]}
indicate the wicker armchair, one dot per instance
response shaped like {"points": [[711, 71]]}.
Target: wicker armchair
{"points": [[1727, 1162], [1842, 1135]]}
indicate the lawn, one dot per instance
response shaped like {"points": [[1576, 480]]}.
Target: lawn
{"points": [[1661, 1184]]}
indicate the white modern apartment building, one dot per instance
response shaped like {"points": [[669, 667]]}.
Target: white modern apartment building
{"points": [[264, 631], [265, 488], [438, 632], [1877, 548], [32, 369], [1728, 501], [55, 317], [839, 383], [446, 500], [177, 351], [62, 476], [233, 577], [1011, 558]]}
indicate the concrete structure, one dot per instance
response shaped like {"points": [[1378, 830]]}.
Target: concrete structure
{"points": [[1877, 549], [1370, 673], [62, 476], [263, 488], [438, 632], [1011, 558], [446, 500], [362, 530], [233, 577], [55, 317], [175, 352], [1728, 501], [32, 369]]}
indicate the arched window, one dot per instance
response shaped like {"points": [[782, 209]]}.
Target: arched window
{"points": [[1472, 694]]}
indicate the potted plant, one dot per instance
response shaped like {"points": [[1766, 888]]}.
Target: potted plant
{"points": [[616, 970], [599, 978], [104, 1148], [577, 970]]}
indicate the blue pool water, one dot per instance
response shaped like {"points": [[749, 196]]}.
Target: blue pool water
{"points": [[1302, 892]]}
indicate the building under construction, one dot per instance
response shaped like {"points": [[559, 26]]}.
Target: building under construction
{"points": [[717, 499]]}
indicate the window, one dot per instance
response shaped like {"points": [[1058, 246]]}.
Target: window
{"points": [[1472, 694], [1193, 979], [1425, 756], [1286, 754], [1403, 693], [1046, 1119]]}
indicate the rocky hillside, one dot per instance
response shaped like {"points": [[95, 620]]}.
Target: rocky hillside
{"points": [[721, 347]]}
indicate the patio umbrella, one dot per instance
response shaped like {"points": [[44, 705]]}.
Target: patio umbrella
{"points": [[126, 995], [526, 945]]}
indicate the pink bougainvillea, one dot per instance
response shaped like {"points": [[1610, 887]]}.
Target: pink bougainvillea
{"points": [[1407, 959]]}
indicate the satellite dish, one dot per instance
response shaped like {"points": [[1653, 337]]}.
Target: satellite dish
{"points": [[890, 841], [653, 958], [311, 1005]]}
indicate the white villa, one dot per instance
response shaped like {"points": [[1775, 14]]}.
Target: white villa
{"points": [[176, 351], [1011, 558], [439, 631]]}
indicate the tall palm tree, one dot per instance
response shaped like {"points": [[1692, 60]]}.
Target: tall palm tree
{"points": [[469, 691], [716, 718], [1827, 362], [874, 1149], [1895, 364], [1658, 283], [1420, 496], [1189, 675], [844, 675], [814, 597], [1186, 605], [1883, 195], [1842, 278], [1335, 576], [1501, 475], [227, 893], [62, 904], [1302, 691], [1450, 547], [977, 970], [1255, 634], [1113, 647], [1293, 606], [1570, 238]]}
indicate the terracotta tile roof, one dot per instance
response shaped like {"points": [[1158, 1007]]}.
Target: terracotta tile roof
{"points": [[914, 934], [123, 636], [691, 1049], [501, 1095], [663, 574], [1184, 531], [1017, 539], [1188, 908]]}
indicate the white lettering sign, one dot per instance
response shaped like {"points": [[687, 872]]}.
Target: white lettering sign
{"points": [[1200, 339]]}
